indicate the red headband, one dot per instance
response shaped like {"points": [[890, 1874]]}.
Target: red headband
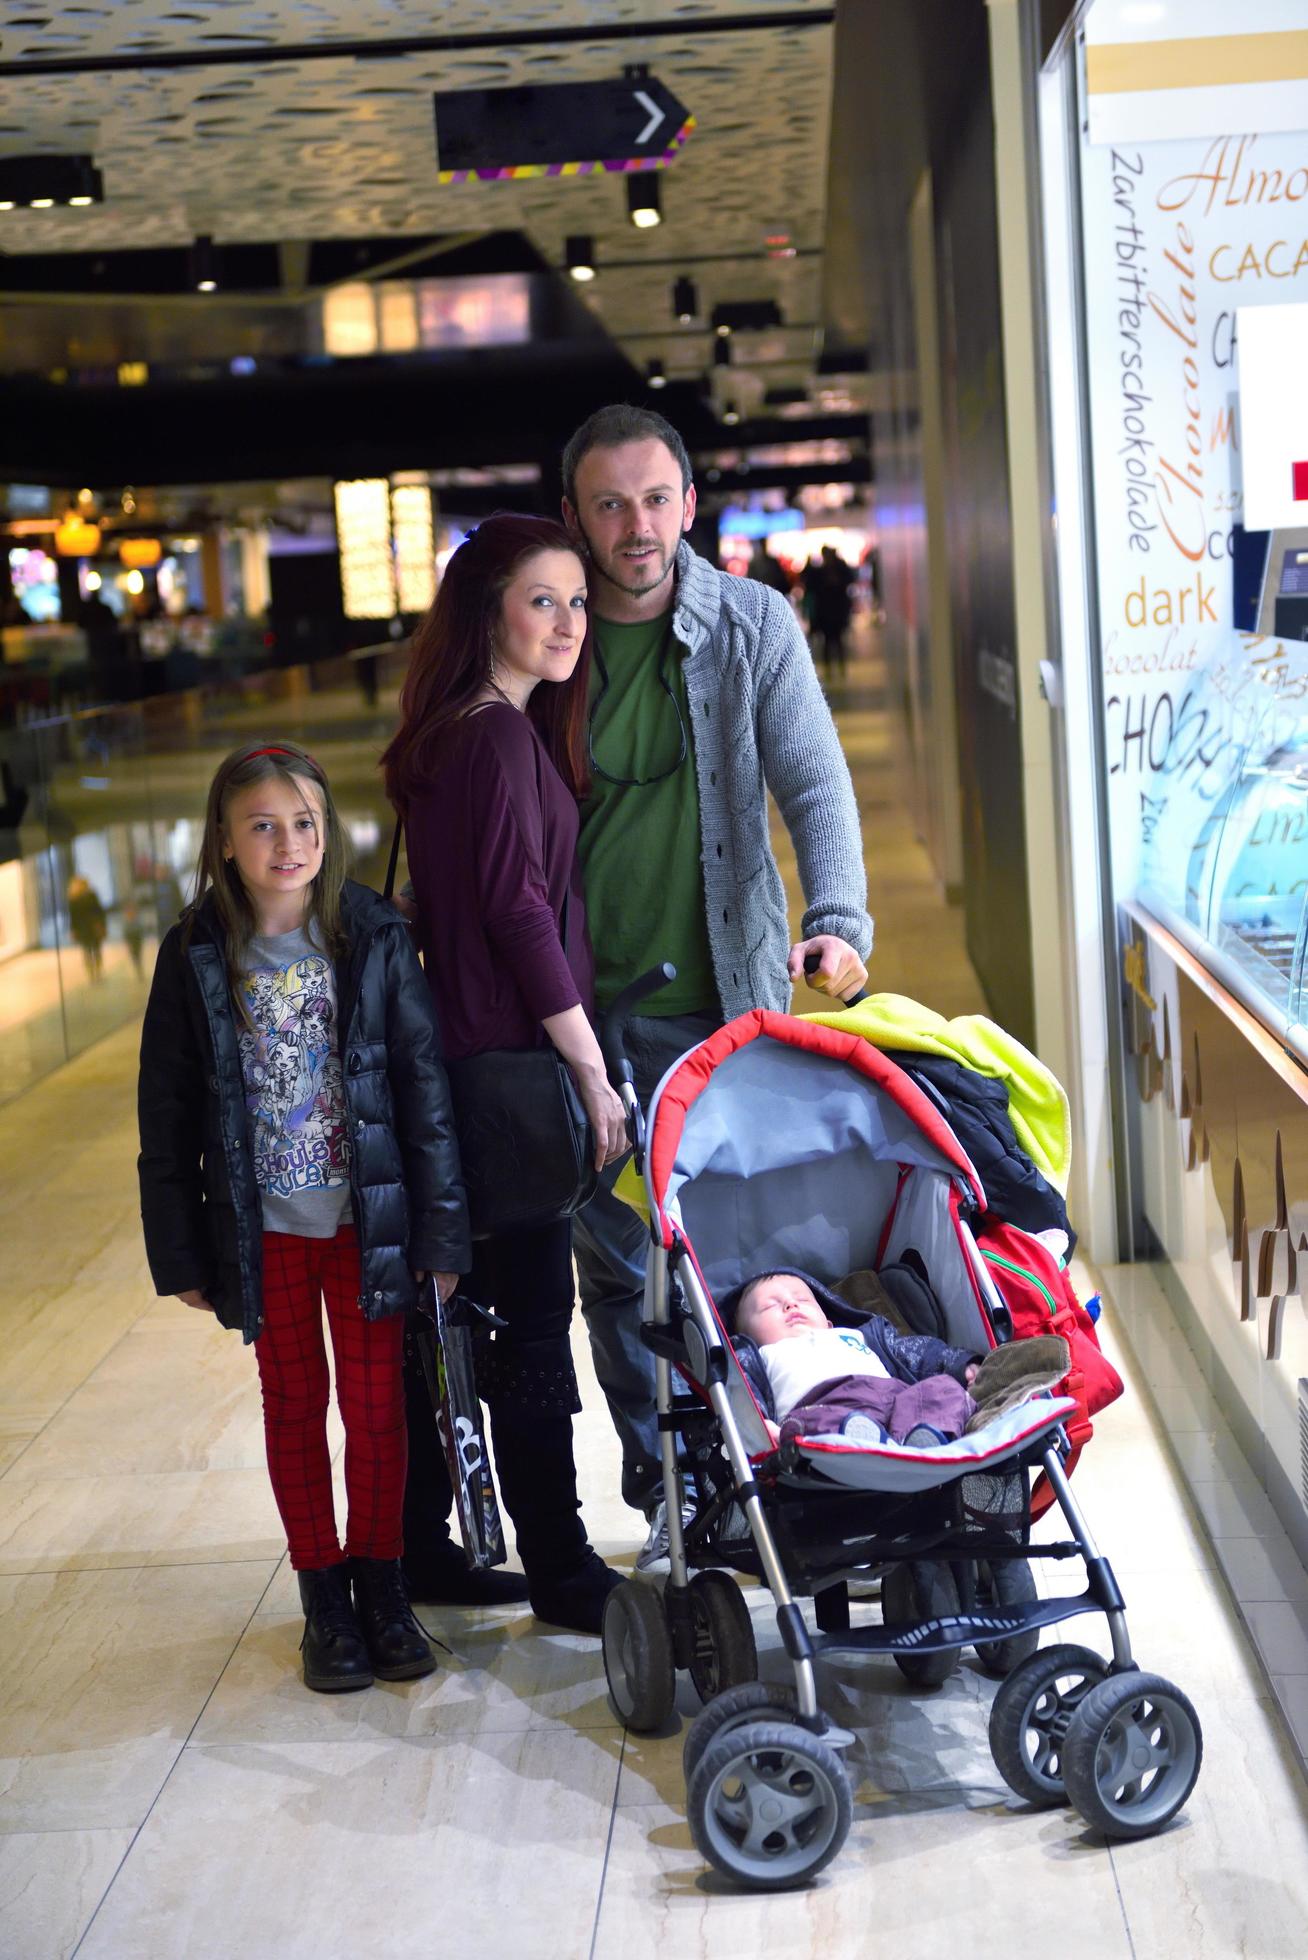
{"points": [[297, 755]]}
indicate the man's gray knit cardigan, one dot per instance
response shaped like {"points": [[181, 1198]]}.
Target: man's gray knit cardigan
{"points": [[761, 722]]}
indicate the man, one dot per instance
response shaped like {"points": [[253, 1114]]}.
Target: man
{"points": [[703, 698]]}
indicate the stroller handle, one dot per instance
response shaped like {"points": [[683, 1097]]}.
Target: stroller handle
{"points": [[613, 1028], [812, 961]]}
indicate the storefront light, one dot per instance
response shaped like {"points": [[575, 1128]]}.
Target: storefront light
{"points": [[363, 534], [135, 583], [415, 546], [349, 319], [140, 552], [75, 538]]}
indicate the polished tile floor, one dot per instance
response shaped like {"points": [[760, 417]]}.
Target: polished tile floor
{"points": [[168, 1788]]}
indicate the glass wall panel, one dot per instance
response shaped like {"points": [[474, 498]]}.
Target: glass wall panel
{"points": [[1194, 201], [104, 815]]}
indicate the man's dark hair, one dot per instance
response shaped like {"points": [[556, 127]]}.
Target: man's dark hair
{"points": [[609, 428]]}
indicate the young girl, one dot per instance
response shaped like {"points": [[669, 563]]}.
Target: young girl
{"points": [[297, 1148]]}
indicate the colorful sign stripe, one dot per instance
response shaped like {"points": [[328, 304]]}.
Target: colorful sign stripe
{"points": [[614, 166]]}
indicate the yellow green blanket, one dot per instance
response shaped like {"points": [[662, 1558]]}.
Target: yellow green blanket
{"points": [[1037, 1101]]}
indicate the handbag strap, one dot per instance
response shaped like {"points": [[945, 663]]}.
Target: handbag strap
{"points": [[389, 886]]}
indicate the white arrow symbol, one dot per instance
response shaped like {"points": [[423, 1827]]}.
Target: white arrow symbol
{"points": [[656, 116]]}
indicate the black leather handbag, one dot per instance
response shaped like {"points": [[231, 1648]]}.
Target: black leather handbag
{"points": [[526, 1146], [525, 1142]]}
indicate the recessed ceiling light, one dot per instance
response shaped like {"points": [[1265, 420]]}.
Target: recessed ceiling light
{"points": [[579, 255], [44, 180], [655, 376], [204, 265], [644, 207], [685, 300]]}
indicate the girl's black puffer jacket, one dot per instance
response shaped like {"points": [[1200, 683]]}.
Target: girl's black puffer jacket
{"points": [[200, 1203]]}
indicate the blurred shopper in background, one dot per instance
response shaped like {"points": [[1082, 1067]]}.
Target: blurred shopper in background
{"points": [[828, 587], [88, 923]]}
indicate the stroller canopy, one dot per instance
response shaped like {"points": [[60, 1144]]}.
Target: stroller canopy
{"points": [[781, 1142]]}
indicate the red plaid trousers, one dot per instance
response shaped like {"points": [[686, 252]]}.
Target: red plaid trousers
{"points": [[299, 1275]]}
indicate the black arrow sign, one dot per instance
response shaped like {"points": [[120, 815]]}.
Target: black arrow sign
{"points": [[563, 129]]}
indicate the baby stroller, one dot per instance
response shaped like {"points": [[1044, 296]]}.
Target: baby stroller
{"points": [[782, 1143]]}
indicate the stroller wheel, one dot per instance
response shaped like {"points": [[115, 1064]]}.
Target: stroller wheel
{"points": [[923, 1590], [723, 1653], [770, 1804], [1132, 1754], [1030, 1717], [1009, 1582], [751, 1701], [638, 1656]]}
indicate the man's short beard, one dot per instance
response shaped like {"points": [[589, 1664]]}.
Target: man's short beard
{"points": [[632, 591]]}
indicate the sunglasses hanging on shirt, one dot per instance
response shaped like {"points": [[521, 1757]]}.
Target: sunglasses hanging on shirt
{"points": [[635, 782]]}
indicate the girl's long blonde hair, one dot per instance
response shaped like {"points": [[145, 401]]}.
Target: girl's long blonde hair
{"points": [[261, 762]]}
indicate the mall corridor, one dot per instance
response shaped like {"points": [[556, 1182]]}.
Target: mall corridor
{"points": [[170, 1791]]}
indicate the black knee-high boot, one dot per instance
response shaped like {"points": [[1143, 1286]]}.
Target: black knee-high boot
{"points": [[434, 1565], [531, 1392]]}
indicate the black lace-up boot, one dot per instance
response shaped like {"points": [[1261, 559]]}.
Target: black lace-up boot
{"points": [[397, 1646], [335, 1657]]}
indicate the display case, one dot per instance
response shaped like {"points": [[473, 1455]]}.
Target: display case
{"points": [[1237, 891]]}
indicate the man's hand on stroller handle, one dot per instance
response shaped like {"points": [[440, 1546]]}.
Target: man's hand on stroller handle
{"points": [[830, 965]]}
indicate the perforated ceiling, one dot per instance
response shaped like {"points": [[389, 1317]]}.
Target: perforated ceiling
{"points": [[339, 146]]}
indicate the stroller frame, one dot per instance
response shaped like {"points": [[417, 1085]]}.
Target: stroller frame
{"points": [[768, 1797], [690, 1337]]}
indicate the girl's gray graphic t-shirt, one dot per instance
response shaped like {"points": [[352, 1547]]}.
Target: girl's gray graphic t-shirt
{"points": [[293, 1086]]}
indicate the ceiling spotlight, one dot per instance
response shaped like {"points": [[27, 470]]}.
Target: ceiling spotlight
{"points": [[644, 206], [722, 353], [204, 265], [41, 182], [579, 254], [685, 300], [746, 316], [731, 414], [655, 376]]}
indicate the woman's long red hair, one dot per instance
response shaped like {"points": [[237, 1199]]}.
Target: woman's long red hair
{"points": [[451, 655]]}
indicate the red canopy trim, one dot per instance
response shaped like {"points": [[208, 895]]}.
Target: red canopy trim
{"points": [[691, 1079]]}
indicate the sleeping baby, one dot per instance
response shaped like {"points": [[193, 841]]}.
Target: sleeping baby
{"points": [[866, 1383]]}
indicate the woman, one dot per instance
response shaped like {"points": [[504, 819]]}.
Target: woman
{"points": [[485, 771]]}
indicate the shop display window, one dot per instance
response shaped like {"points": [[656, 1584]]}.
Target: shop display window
{"points": [[1191, 174]]}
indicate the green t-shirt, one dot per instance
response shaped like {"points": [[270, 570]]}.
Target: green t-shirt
{"points": [[640, 844]]}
